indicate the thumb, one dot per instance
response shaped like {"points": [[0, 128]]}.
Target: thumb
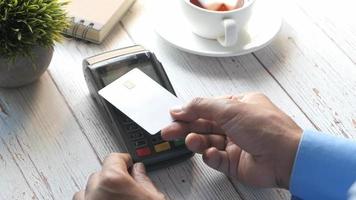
{"points": [[219, 110], [139, 175]]}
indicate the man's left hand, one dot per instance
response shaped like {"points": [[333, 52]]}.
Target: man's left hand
{"points": [[120, 179]]}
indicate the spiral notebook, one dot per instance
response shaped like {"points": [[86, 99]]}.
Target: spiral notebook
{"points": [[92, 20]]}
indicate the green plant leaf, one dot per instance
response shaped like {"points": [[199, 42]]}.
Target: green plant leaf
{"points": [[25, 24]]}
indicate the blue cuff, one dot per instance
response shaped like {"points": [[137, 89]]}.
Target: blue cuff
{"points": [[324, 167]]}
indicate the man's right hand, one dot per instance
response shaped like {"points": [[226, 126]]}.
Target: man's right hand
{"points": [[246, 137]]}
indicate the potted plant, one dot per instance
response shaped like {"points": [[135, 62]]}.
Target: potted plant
{"points": [[28, 31]]}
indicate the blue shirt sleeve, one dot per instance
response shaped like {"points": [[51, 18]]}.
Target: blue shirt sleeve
{"points": [[324, 167]]}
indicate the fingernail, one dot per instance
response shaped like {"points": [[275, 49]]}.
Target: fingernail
{"points": [[177, 109], [140, 167]]}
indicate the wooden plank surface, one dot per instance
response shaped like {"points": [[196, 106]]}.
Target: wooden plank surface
{"points": [[46, 145], [8, 165], [66, 70], [193, 75], [53, 136], [336, 20], [314, 72], [191, 180]]}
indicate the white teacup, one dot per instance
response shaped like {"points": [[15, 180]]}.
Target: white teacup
{"points": [[224, 26]]}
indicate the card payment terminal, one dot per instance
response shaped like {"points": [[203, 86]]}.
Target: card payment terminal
{"points": [[99, 71]]}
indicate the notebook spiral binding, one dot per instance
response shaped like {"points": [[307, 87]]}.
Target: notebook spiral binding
{"points": [[76, 27], [84, 34]]}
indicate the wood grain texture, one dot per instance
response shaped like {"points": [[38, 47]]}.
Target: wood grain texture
{"points": [[336, 20], [45, 144], [193, 75], [191, 180], [314, 72], [53, 136], [66, 70], [12, 175]]}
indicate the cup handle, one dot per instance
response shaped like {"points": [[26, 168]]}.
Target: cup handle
{"points": [[231, 33]]}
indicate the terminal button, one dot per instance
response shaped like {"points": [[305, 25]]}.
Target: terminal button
{"points": [[136, 135], [143, 152], [140, 143], [162, 147], [132, 127], [178, 143]]}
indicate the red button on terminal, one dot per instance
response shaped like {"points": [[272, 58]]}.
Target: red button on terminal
{"points": [[143, 151]]}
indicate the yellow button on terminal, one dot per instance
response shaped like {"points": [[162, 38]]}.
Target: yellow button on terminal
{"points": [[162, 147]]}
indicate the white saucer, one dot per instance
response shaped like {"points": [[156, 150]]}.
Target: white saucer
{"points": [[172, 26]]}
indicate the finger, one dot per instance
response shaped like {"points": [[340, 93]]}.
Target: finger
{"points": [[199, 143], [234, 153], [93, 182], [79, 195], [207, 108], [216, 159], [139, 174], [178, 130], [117, 161]]}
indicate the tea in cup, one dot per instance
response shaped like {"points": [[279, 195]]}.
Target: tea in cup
{"points": [[221, 20], [218, 5]]}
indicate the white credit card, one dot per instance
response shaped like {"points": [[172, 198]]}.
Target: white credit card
{"points": [[142, 99]]}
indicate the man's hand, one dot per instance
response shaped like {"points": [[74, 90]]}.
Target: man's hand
{"points": [[116, 181], [245, 137]]}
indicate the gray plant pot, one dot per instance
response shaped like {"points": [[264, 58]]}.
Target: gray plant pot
{"points": [[24, 70]]}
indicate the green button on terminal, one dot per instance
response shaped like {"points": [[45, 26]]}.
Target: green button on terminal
{"points": [[179, 142]]}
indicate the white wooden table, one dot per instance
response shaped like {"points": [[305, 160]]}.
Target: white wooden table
{"points": [[52, 135]]}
